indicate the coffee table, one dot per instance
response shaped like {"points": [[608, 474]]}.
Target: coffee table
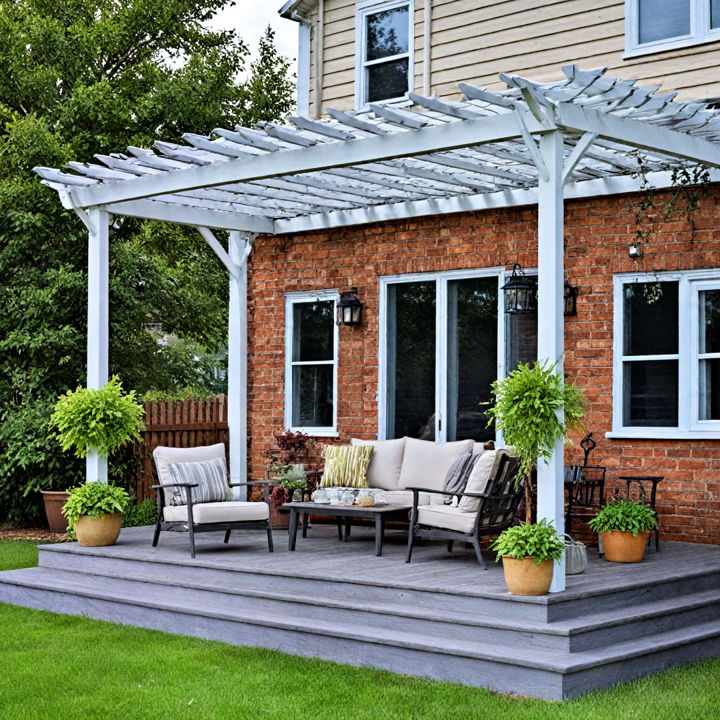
{"points": [[378, 513]]}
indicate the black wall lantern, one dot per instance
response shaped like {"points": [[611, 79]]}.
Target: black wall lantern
{"points": [[349, 308], [520, 292], [571, 293]]}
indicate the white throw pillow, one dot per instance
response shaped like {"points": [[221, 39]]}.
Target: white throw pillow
{"points": [[426, 463], [385, 463], [478, 480]]}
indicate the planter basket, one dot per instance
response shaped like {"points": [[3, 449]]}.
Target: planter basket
{"points": [[575, 556]]}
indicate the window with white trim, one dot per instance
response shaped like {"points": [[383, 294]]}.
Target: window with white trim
{"points": [[311, 351], [667, 354], [656, 25], [383, 51]]}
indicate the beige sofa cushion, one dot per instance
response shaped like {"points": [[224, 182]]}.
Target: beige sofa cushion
{"points": [[484, 469], [426, 464], [219, 512], [385, 463], [405, 497], [446, 516], [164, 456]]}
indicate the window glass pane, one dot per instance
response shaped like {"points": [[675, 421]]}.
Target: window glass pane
{"points": [[662, 19], [313, 331], [312, 396], [521, 334], [715, 14], [387, 80], [472, 356], [387, 33], [710, 389], [411, 360], [709, 321], [650, 393], [651, 318]]}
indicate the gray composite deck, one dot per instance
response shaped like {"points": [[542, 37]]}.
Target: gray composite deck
{"points": [[441, 616]]}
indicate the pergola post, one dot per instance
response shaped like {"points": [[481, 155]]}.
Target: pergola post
{"points": [[550, 490], [237, 360], [98, 324]]}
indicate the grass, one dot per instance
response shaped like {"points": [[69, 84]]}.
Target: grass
{"points": [[64, 666]]}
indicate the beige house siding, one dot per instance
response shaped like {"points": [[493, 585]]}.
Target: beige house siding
{"points": [[473, 41]]}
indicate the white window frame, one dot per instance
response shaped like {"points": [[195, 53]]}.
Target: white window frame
{"points": [[291, 299], [441, 280], [700, 30], [689, 427], [362, 10]]}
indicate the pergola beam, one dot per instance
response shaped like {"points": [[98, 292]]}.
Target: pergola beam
{"points": [[448, 136], [635, 133]]}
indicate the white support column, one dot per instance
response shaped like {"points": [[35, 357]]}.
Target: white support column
{"points": [[98, 323], [550, 491], [238, 246]]}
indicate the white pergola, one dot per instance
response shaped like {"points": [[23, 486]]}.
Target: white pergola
{"points": [[531, 144]]}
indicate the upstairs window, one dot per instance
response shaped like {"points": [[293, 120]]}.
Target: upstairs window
{"points": [[383, 61], [655, 25]]}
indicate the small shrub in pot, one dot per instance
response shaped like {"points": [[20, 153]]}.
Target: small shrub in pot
{"points": [[623, 526], [528, 552], [93, 511]]}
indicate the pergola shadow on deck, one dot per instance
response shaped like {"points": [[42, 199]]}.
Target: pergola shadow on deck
{"points": [[535, 143], [440, 617]]}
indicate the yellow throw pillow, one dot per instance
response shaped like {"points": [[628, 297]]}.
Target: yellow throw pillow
{"points": [[346, 465]]}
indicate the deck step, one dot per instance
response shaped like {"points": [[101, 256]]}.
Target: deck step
{"points": [[518, 667]]}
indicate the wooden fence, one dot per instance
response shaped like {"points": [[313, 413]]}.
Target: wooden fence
{"points": [[178, 424]]}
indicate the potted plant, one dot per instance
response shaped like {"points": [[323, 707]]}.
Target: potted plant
{"points": [[623, 526], [94, 513], [527, 553], [290, 448], [103, 419], [526, 409]]}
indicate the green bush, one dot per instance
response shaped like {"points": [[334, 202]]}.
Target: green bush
{"points": [[104, 419], [144, 513], [624, 516], [539, 541], [94, 499], [186, 393]]}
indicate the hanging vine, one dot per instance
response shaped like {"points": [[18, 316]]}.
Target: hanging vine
{"points": [[689, 184]]}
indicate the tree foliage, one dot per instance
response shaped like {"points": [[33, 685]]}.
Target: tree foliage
{"points": [[81, 77]]}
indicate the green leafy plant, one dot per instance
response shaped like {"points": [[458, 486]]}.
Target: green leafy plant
{"points": [[94, 499], [540, 541], [534, 408], [180, 395], [294, 478], [105, 419], [624, 516], [144, 513]]}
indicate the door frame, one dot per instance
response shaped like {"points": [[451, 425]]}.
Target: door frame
{"points": [[441, 280]]}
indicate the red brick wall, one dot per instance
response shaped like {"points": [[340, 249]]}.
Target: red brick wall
{"points": [[598, 232]]}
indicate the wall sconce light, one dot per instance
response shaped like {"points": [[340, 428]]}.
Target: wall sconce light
{"points": [[635, 250], [349, 308], [571, 293], [520, 292]]}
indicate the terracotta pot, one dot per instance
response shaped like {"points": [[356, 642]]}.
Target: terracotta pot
{"points": [[526, 577], [54, 500], [622, 547], [98, 531]]}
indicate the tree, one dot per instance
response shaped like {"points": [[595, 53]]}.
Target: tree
{"points": [[95, 76]]}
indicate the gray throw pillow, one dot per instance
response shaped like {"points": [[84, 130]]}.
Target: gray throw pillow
{"points": [[211, 478], [457, 476]]}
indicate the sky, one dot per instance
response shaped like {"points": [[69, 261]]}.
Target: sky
{"points": [[250, 17]]}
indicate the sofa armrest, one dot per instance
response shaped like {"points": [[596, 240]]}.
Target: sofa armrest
{"points": [[172, 485]]}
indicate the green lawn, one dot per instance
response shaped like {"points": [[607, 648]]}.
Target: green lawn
{"points": [[73, 667]]}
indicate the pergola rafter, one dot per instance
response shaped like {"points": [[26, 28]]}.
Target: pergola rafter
{"points": [[534, 143]]}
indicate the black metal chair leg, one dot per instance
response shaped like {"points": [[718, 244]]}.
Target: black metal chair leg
{"points": [[156, 534], [450, 545], [191, 530], [270, 539], [227, 536], [411, 538], [478, 552]]}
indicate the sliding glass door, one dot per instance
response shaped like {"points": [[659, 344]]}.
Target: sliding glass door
{"points": [[440, 355]]}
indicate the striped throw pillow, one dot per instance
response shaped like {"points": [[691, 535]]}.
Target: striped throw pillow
{"points": [[211, 477], [346, 465]]}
